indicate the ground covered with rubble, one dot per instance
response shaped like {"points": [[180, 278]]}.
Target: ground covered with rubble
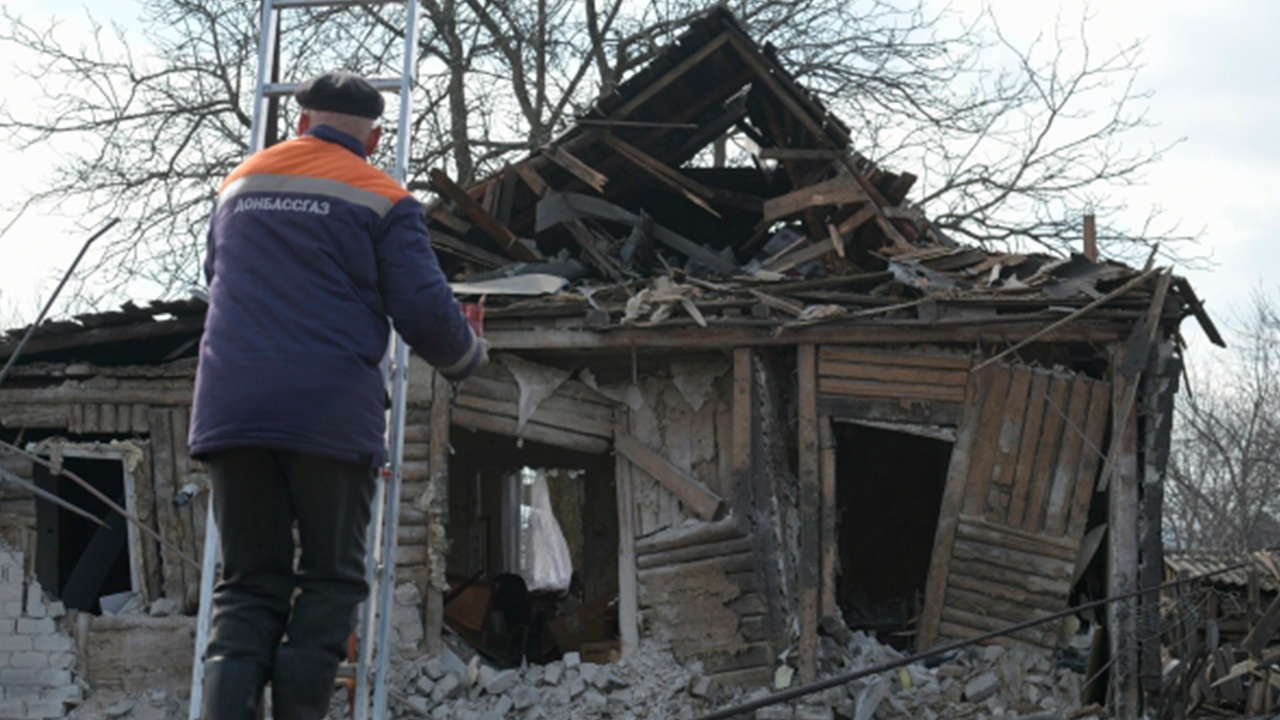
{"points": [[982, 682]]}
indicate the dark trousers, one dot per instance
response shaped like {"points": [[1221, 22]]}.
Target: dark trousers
{"points": [[258, 495]]}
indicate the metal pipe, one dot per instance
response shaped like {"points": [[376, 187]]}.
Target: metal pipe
{"points": [[106, 500], [13, 358], [831, 682], [46, 495]]}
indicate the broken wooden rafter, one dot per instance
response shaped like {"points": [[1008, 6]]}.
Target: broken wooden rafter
{"points": [[696, 496], [1133, 282], [783, 153], [557, 207], [695, 192], [790, 307], [500, 233], [584, 172], [791, 258], [444, 242], [669, 77], [837, 191], [581, 234]]}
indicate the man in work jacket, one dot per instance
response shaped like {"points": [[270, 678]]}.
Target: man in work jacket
{"points": [[310, 250]]}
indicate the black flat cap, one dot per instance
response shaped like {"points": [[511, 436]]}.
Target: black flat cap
{"points": [[340, 92]]}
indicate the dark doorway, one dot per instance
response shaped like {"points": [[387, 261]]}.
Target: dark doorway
{"points": [[77, 560], [510, 500], [888, 490]]}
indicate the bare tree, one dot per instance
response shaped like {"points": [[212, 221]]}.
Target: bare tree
{"points": [[1013, 157], [1224, 470]]}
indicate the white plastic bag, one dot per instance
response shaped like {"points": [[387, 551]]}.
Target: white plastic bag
{"points": [[549, 566]]}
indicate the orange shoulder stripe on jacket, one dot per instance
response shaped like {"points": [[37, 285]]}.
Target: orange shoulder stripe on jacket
{"points": [[315, 158]]}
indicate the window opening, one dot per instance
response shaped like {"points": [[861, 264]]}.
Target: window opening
{"points": [[889, 488], [533, 562], [78, 561]]}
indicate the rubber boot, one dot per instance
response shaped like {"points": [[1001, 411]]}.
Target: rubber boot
{"points": [[302, 683], [232, 689]]}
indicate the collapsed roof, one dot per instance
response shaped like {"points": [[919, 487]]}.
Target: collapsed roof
{"points": [[630, 218], [634, 209]]}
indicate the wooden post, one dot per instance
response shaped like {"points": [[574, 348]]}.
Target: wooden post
{"points": [[1090, 238], [628, 596], [810, 520], [743, 416], [1122, 568], [437, 514], [830, 544]]}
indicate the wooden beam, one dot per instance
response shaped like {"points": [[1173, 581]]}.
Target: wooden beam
{"points": [[100, 336], [628, 592], [500, 233], [556, 207], [584, 172], [1090, 238], [949, 515], [743, 414], [810, 510], [693, 191], [869, 334], [830, 542], [696, 496], [670, 76], [837, 191], [437, 513], [1122, 531]]}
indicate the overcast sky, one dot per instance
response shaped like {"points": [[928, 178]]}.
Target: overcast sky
{"points": [[1212, 66]]}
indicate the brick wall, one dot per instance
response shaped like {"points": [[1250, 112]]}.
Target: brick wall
{"points": [[37, 658]]}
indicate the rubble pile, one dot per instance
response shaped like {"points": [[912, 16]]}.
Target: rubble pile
{"points": [[649, 684], [981, 682]]}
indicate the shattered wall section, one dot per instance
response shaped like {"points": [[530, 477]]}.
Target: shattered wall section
{"points": [[36, 657]]}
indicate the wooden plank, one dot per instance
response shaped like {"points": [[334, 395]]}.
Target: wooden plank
{"points": [[552, 418], [704, 503], [949, 511], [144, 508], [188, 540], [837, 191], [996, 574], [500, 234], [695, 534], [1016, 560], [597, 411], [985, 460], [173, 579], [810, 512], [436, 514], [743, 414], [692, 191], [978, 530], [901, 410], [93, 396], [1008, 442], [830, 511], [41, 416], [478, 420], [693, 553], [557, 206], [871, 388], [1090, 458], [998, 608], [628, 598], [875, 356], [1022, 473], [787, 260], [584, 172], [894, 373], [1063, 479], [1012, 593], [1050, 440], [1122, 560], [670, 77], [879, 333]]}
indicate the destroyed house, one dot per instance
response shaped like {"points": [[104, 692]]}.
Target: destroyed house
{"points": [[738, 399]]}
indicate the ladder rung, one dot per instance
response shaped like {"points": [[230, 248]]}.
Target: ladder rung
{"points": [[282, 89], [332, 3]]}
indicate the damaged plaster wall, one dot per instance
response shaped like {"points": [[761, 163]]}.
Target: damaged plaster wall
{"points": [[37, 657]]}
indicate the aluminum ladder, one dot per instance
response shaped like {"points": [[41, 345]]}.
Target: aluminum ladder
{"points": [[375, 615]]}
